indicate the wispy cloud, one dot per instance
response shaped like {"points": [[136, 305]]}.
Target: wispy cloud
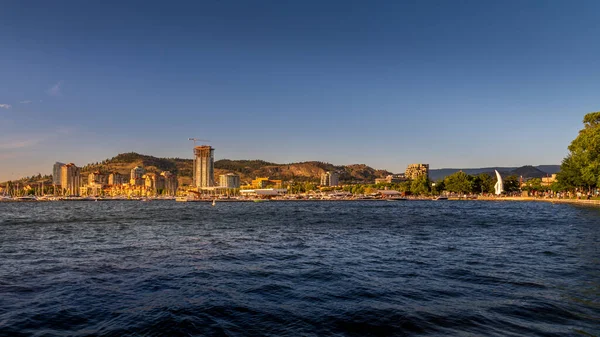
{"points": [[55, 90], [18, 144], [5, 106], [25, 102], [5, 156]]}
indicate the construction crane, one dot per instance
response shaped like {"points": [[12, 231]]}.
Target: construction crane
{"points": [[198, 140]]}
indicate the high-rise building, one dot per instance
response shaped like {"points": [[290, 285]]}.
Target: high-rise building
{"points": [[136, 175], [137, 172], [56, 173], [153, 181], [330, 179], [115, 179], [97, 178], [229, 180], [171, 183], [204, 166], [413, 171], [391, 179], [70, 179]]}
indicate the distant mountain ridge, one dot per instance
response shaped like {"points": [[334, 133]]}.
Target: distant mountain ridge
{"points": [[527, 171]]}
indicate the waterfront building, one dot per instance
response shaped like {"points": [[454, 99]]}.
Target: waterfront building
{"points": [[203, 166], [56, 173], [547, 181], [70, 179], [229, 180], [137, 172], [171, 183], [414, 171], [265, 182], [330, 179], [115, 179], [153, 181], [391, 179], [380, 181], [97, 178], [136, 176], [264, 192], [92, 189]]}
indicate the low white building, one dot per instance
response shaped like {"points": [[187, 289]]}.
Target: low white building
{"points": [[264, 192], [229, 180], [330, 179]]}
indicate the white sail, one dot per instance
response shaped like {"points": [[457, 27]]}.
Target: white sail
{"points": [[499, 187]]}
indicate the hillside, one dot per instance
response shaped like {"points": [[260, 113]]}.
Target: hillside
{"points": [[299, 172], [247, 169]]}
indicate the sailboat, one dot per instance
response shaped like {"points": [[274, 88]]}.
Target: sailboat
{"points": [[214, 203]]}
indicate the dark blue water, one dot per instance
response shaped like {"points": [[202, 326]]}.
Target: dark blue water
{"points": [[299, 269]]}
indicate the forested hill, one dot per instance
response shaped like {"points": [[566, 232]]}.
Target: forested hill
{"points": [[247, 169]]}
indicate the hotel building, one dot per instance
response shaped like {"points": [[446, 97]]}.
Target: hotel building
{"points": [[330, 179], [229, 180], [70, 179], [56, 173], [413, 171], [170, 181], [115, 179]]}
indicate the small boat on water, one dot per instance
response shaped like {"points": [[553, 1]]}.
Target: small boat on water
{"points": [[440, 198], [214, 203]]}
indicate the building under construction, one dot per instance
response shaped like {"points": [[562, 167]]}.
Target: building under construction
{"points": [[204, 171]]}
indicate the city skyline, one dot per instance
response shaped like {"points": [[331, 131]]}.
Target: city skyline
{"points": [[473, 84]]}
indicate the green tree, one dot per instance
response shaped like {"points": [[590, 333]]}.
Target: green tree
{"points": [[358, 189], [439, 187], [458, 182], [310, 186], [486, 183], [556, 187], [404, 186], [511, 183], [534, 184], [370, 190], [569, 178], [581, 168], [420, 185]]}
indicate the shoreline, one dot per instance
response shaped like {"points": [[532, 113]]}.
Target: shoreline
{"points": [[518, 199], [558, 201]]}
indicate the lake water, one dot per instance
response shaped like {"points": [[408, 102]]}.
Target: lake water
{"points": [[371, 268]]}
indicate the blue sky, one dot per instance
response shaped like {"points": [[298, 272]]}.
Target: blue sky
{"points": [[385, 83]]}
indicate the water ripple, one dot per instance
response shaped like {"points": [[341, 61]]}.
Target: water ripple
{"points": [[299, 268]]}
